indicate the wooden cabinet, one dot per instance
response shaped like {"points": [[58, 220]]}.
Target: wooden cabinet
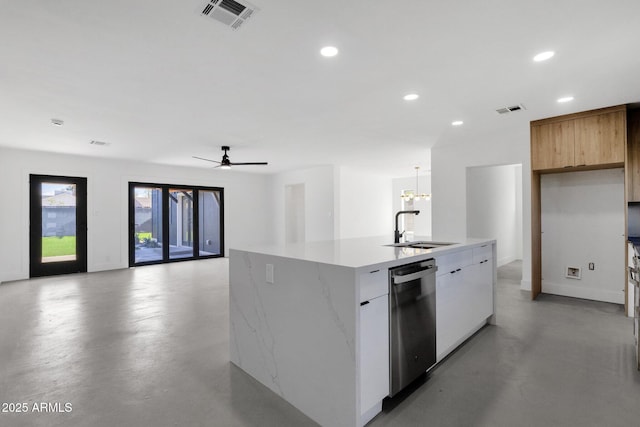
{"points": [[589, 140], [554, 145], [600, 139], [584, 140], [633, 156]]}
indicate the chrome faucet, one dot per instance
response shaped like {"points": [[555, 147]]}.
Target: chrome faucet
{"points": [[397, 233]]}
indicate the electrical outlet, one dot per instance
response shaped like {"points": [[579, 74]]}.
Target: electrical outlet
{"points": [[592, 266], [269, 273]]}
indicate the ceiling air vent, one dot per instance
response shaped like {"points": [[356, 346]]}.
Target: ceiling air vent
{"points": [[505, 110], [229, 12], [101, 143]]}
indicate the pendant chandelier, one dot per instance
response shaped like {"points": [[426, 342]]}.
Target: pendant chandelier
{"points": [[415, 195]]}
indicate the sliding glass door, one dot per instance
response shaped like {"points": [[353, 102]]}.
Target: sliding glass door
{"points": [[172, 223]]}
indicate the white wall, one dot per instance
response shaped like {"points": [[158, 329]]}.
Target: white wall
{"points": [[582, 222], [494, 208], [448, 183], [294, 215], [319, 202], [246, 195], [422, 222], [364, 204], [340, 203]]}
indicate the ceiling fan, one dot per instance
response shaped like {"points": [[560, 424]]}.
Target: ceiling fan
{"points": [[226, 163]]}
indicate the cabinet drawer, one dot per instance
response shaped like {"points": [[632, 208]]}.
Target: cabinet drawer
{"points": [[451, 262], [374, 284], [482, 253]]}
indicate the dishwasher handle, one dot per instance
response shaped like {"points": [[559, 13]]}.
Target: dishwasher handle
{"points": [[404, 278]]}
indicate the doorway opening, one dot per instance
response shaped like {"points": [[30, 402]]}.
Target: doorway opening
{"points": [[294, 213], [494, 208]]}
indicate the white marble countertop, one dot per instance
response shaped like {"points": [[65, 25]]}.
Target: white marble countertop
{"points": [[359, 252]]}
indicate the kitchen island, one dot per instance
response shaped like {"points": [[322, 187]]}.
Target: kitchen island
{"points": [[311, 321]]}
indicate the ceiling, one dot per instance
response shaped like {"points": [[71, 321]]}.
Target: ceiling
{"points": [[161, 83]]}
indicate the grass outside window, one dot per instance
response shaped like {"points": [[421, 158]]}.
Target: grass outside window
{"points": [[58, 246]]}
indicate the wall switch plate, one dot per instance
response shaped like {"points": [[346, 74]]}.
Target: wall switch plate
{"points": [[269, 273], [592, 266]]}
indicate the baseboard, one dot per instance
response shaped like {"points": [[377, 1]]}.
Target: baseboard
{"points": [[13, 276], [370, 413], [574, 291], [105, 267], [506, 260]]}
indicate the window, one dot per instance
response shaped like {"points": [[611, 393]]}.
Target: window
{"points": [[172, 223]]}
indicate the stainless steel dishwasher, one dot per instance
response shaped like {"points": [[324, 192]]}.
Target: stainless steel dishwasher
{"points": [[412, 322]]}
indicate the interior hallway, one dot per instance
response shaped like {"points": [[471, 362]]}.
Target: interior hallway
{"points": [[149, 347]]}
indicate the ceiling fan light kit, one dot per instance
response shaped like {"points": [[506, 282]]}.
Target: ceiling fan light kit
{"points": [[226, 164]]}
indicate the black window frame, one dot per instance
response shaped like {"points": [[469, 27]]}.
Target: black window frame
{"points": [[165, 223], [79, 265]]}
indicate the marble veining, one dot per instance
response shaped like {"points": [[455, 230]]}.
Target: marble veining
{"points": [[278, 328], [262, 331], [326, 292]]}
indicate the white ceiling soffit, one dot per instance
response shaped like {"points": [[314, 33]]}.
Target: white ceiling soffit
{"points": [[229, 12]]}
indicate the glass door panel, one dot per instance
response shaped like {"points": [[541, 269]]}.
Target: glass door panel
{"points": [[180, 223], [58, 222], [147, 227], [209, 223]]}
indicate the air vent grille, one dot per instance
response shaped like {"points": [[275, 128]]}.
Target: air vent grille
{"points": [[100, 143], [232, 6], [505, 110], [231, 13]]}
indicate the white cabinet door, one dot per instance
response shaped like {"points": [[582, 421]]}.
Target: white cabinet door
{"points": [[483, 289], [464, 299], [450, 325], [374, 352]]}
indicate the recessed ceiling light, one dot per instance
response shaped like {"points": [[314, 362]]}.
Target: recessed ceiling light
{"points": [[457, 123], [411, 97], [565, 99], [329, 51], [57, 122], [543, 56]]}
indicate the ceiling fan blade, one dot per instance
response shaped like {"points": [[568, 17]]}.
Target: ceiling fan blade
{"points": [[246, 164], [206, 160]]}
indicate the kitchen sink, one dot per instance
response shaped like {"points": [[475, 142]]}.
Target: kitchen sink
{"points": [[421, 244]]}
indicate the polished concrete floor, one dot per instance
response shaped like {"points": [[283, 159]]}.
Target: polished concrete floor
{"points": [[149, 347]]}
